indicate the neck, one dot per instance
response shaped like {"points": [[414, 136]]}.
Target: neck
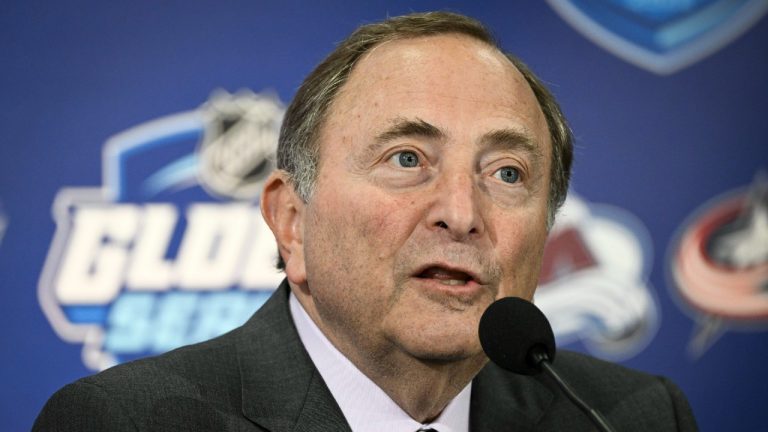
{"points": [[422, 388]]}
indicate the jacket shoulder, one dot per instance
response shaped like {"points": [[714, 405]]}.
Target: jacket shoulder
{"points": [[634, 399], [631, 400], [199, 380], [196, 387]]}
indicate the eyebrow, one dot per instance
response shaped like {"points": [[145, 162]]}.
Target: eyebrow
{"points": [[512, 139], [403, 127]]}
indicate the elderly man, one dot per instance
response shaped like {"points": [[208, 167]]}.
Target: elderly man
{"points": [[419, 171]]}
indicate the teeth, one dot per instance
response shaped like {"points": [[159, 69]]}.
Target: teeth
{"points": [[453, 282]]}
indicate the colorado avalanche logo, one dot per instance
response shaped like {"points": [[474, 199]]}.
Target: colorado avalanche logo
{"points": [[172, 248], [594, 282], [661, 36], [720, 263]]}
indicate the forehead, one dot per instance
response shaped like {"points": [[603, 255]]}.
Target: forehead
{"points": [[455, 82]]}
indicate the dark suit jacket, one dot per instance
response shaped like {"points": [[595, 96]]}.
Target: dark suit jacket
{"points": [[259, 377]]}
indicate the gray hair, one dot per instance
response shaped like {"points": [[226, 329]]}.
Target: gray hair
{"points": [[298, 148]]}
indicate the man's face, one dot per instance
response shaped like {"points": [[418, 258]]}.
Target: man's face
{"points": [[430, 201]]}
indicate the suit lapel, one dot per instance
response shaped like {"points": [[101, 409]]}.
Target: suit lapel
{"points": [[281, 388], [505, 401]]}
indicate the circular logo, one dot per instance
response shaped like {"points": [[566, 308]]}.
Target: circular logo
{"points": [[721, 262], [239, 143]]}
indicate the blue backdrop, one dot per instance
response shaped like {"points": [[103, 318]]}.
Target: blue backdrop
{"points": [[659, 261]]}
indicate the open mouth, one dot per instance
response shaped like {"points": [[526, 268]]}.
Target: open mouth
{"points": [[446, 276]]}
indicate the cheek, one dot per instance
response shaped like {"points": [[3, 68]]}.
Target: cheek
{"points": [[383, 223], [521, 259], [361, 228]]}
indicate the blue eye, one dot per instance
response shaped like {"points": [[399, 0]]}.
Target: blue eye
{"points": [[508, 174], [406, 159]]}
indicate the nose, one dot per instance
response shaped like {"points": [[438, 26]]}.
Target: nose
{"points": [[456, 209]]}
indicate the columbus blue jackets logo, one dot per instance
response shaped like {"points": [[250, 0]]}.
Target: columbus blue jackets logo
{"points": [[719, 264], [171, 249], [661, 36]]}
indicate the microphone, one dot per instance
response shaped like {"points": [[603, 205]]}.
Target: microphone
{"points": [[517, 336]]}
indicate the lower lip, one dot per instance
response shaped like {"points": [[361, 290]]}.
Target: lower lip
{"points": [[471, 288]]}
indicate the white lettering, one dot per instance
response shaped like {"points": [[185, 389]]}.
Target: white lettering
{"points": [[149, 270], [213, 243], [92, 267], [127, 246]]}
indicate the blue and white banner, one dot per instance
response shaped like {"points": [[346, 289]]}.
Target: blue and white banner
{"points": [[135, 139]]}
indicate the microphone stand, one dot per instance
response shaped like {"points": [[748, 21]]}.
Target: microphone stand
{"points": [[539, 357]]}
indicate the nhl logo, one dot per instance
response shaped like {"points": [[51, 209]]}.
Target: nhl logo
{"points": [[239, 142], [171, 248]]}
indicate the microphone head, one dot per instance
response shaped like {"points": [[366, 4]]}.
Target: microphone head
{"points": [[510, 329]]}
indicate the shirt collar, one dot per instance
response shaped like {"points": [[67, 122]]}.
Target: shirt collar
{"points": [[364, 404]]}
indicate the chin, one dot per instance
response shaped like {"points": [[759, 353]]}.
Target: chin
{"points": [[445, 357], [445, 348]]}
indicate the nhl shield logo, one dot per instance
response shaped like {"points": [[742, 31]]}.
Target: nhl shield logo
{"points": [[662, 36]]}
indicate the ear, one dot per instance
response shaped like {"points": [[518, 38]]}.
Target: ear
{"points": [[283, 210]]}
